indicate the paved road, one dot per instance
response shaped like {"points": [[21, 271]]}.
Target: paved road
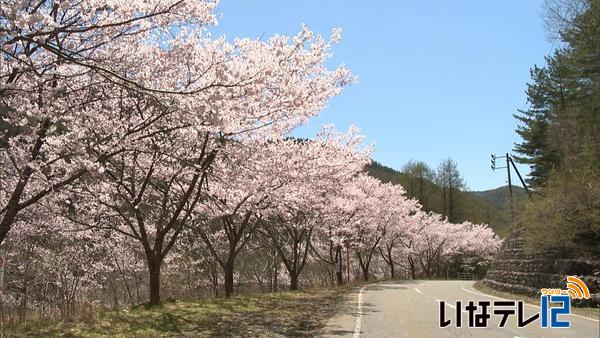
{"points": [[411, 309]]}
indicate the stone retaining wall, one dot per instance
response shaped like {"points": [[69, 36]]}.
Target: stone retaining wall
{"points": [[517, 271]]}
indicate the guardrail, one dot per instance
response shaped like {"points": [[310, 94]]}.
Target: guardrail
{"points": [[466, 276]]}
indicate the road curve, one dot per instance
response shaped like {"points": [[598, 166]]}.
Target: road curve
{"points": [[411, 309]]}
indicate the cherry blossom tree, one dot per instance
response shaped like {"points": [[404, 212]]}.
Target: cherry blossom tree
{"points": [[334, 235], [430, 238], [339, 225], [94, 36], [242, 180], [318, 169], [159, 127], [86, 81], [133, 142], [397, 232], [384, 206], [72, 74], [271, 183], [51, 270]]}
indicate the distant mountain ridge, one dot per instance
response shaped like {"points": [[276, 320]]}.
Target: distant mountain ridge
{"points": [[490, 206], [500, 196]]}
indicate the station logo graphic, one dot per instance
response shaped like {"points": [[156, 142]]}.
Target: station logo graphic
{"points": [[554, 304], [576, 289]]}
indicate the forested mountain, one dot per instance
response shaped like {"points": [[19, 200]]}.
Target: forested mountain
{"points": [[490, 206], [560, 133], [499, 196]]}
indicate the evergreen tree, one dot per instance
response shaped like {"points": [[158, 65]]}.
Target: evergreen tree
{"points": [[451, 181], [561, 134], [420, 176], [534, 149]]}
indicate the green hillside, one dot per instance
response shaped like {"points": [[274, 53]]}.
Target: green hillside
{"points": [[498, 200], [490, 206], [499, 197]]}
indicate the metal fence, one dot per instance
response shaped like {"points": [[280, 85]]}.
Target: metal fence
{"points": [[466, 276]]}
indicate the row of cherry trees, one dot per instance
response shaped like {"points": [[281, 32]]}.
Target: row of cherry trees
{"points": [[137, 149]]}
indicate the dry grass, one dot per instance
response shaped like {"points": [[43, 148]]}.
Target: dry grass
{"points": [[290, 313]]}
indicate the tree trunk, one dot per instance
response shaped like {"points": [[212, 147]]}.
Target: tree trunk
{"points": [[276, 279], [412, 268], [114, 292], [23, 307], [450, 204], [214, 277], [229, 278], [7, 222], [339, 274], [137, 286], [365, 270], [364, 265], [293, 281], [154, 265], [339, 278], [389, 259], [445, 211]]}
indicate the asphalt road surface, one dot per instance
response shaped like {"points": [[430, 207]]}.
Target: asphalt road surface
{"points": [[412, 309]]}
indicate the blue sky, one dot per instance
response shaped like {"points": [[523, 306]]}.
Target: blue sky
{"points": [[437, 79]]}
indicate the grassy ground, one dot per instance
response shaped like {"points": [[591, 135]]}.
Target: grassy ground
{"points": [[290, 313], [582, 311]]}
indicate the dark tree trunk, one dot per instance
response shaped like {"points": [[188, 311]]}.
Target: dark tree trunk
{"points": [[7, 221], [389, 259], [293, 281], [229, 277], [412, 268], [12, 206], [339, 278], [427, 269], [137, 287], [154, 265], [114, 292], [339, 274], [450, 204], [214, 273], [364, 265], [276, 278]]}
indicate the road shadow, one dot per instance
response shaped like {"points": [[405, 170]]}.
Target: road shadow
{"points": [[382, 287]]}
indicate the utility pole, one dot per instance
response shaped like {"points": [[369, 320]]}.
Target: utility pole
{"points": [[520, 178], [512, 209], [508, 173], [494, 167], [509, 162]]}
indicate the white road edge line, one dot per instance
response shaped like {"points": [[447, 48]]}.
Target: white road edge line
{"points": [[534, 306], [419, 291], [358, 321]]}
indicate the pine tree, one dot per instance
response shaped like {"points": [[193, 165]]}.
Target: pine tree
{"points": [[561, 135], [535, 150]]}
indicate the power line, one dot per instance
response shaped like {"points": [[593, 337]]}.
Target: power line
{"points": [[509, 163]]}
